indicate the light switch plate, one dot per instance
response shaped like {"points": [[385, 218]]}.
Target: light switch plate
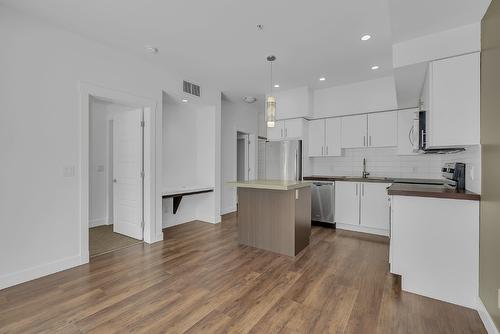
{"points": [[69, 171]]}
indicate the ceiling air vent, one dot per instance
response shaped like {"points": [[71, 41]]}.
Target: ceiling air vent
{"points": [[191, 88]]}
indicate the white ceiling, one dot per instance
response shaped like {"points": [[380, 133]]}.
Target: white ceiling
{"points": [[216, 42]]}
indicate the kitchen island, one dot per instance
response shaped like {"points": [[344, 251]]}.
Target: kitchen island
{"points": [[274, 215]]}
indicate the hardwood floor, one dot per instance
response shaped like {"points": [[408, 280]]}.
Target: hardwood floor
{"points": [[199, 280]]}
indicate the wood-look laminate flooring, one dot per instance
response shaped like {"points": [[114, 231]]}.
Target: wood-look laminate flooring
{"points": [[199, 280], [102, 240]]}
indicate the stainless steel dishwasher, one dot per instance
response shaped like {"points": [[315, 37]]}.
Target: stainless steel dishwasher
{"points": [[322, 206]]}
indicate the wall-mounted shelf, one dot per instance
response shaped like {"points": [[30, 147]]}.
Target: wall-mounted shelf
{"points": [[177, 193]]}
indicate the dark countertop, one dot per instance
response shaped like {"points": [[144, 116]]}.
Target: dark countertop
{"points": [[373, 179], [427, 190]]}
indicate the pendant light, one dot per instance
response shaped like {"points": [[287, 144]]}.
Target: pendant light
{"points": [[270, 99]]}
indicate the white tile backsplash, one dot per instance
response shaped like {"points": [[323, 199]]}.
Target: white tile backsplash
{"points": [[386, 162]]}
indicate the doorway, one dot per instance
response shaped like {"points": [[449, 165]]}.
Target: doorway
{"points": [[116, 176], [242, 156]]}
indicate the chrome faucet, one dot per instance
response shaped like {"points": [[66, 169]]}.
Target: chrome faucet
{"points": [[365, 173]]}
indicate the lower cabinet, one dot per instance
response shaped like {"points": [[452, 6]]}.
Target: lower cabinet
{"points": [[362, 206]]}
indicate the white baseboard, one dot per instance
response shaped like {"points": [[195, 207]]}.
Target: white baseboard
{"points": [[228, 210], [98, 222], [486, 318], [363, 229], [39, 271]]}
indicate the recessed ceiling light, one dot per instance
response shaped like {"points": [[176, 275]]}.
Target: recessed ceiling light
{"points": [[276, 86], [184, 100], [375, 67], [365, 37], [322, 79], [151, 49]]}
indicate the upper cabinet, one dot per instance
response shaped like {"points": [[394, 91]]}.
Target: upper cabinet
{"points": [[325, 137], [293, 103], [371, 130], [382, 129], [354, 131], [451, 97], [287, 129]]}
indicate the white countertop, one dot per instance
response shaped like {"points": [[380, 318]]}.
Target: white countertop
{"points": [[271, 184], [184, 189]]}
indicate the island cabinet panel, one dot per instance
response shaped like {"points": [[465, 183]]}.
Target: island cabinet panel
{"points": [[275, 220]]}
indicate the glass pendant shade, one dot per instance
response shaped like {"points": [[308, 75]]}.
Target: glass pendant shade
{"points": [[271, 111]]}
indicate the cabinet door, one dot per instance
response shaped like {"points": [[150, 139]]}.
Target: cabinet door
{"points": [[333, 137], [277, 132], [353, 132], [382, 129], [407, 131], [454, 101], [316, 137], [375, 205], [293, 128], [347, 203]]}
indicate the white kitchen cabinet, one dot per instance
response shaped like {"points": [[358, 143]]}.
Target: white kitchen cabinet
{"points": [[374, 205], [347, 203], [293, 103], [333, 133], [287, 129], [407, 131], [382, 129], [362, 207], [325, 137], [451, 97], [316, 137], [354, 131], [276, 133], [370, 130]]}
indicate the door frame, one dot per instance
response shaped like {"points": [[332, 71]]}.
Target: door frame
{"points": [[152, 232]]}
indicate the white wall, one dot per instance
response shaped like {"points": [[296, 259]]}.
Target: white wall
{"points": [[386, 162], [41, 67], [356, 98], [448, 43], [236, 116], [189, 159]]}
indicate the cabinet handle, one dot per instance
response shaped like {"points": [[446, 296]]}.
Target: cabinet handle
{"points": [[364, 140], [363, 189], [326, 150], [281, 133], [356, 189], [370, 141], [286, 132], [322, 148]]}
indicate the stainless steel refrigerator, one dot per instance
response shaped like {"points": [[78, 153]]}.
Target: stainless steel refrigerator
{"points": [[282, 160]]}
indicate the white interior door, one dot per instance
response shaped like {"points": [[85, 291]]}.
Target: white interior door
{"points": [[127, 173]]}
